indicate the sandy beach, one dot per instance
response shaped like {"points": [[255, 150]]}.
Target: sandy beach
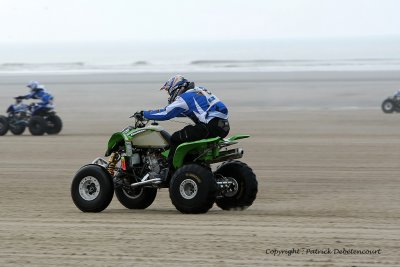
{"points": [[325, 155]]}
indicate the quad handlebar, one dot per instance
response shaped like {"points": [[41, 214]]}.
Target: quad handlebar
{"points": [[141, 121]]}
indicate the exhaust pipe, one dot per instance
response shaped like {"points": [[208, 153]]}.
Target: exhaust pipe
{"points": [[144, 181], [151, 181], [236, 153]]}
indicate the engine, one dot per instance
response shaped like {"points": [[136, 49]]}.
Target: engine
{"points": [[154, 161], [137, 166]]}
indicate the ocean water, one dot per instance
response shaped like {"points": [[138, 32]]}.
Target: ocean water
{"points": [[354, 54]]}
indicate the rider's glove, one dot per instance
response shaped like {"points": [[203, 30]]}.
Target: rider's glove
{"points": [[19, 97], [139, 115]]}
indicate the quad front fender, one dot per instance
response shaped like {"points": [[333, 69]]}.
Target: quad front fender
{"points": [[95, 166]]}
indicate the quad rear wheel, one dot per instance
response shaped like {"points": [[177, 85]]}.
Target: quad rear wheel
{"points": [[54, 124], [244, 187], [136, 198], [193, 189]]}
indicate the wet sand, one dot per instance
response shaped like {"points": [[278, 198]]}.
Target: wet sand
{"points": [[325, 156]]}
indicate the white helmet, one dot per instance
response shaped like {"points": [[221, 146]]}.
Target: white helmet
{"points": [[35, 86]]}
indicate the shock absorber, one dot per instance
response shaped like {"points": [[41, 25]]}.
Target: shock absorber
{"points": [[112, 161]]}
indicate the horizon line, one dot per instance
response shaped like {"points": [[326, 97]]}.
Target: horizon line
{"points": [[207, 40]]}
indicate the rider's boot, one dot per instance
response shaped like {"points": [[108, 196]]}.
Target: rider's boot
{"points": [[165, 175]]}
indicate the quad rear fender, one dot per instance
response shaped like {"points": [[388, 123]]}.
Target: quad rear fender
{"points": [[236, 137], [198, 147]]}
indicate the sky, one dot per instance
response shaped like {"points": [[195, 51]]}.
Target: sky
{"points": [[48, 21]]}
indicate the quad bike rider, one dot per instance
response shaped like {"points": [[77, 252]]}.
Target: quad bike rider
{"points": [[209, 114], [145, 158], [40, 118], [38, 92], [43, 117]]}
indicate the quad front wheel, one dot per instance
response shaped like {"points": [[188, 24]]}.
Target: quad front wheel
{"points": [[193, 189], [243, 182], [54, 124], [388, 106], [3, 125], [92, 189]]}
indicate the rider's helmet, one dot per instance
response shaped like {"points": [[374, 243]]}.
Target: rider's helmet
{"points": [[35, 86], [175, 86]]}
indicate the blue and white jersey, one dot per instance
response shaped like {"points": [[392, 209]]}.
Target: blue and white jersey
{"points": [[199, 104], [44, 96]]}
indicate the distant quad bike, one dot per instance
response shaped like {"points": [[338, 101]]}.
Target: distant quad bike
{"points": [[37, 118], [137, 159], [391, 104]]}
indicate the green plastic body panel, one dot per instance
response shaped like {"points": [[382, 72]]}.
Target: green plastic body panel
{"points": [[237, 137], [205, 149], [200, 146], [183, 149], [126, 136]]}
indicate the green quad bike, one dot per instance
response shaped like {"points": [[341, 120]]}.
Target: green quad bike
{"points": [[137, 159]]}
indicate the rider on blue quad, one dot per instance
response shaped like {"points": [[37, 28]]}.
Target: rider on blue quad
{"points": [[38, 92]]}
